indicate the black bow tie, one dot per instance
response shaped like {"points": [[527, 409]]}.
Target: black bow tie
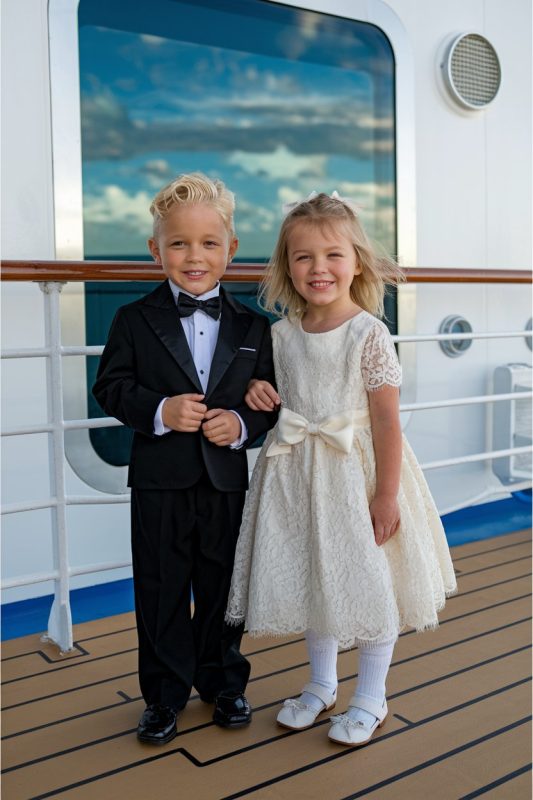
{"points": [[188, 305]]}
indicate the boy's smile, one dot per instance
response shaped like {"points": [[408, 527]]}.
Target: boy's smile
{"points": [[194, 247]]}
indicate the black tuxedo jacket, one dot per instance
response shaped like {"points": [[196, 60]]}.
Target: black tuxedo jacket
{"points": [[147, 358]]}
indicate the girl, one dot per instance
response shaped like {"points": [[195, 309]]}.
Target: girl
{"points": [[340, 536]]}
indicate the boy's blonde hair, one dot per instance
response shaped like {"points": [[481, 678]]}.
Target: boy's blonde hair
{"points": [[191, 188], [277, 293]]}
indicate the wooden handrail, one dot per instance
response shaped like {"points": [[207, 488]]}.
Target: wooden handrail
{"points": [[239, 273]]}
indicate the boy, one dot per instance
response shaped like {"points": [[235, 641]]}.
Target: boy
{"points": [[175, 369]]}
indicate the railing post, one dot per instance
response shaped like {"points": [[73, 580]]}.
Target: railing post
{"points": [[60, 619]]}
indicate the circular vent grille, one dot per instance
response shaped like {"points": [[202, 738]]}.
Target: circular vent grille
{"points": [[472, 71]]}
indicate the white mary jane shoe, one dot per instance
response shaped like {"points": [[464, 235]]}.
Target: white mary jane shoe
{"points": [[298, 716], [355, 733]]}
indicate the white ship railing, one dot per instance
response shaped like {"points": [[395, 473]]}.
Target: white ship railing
{"points": [[60, 619]]}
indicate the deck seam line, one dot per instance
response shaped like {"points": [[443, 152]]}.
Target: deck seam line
{"points": [[132, 628], [388, 781], [267, 675], [406, 633], [495, 566], [42, 654], [504, 779], [259, 677], [424, 685], [210, 762], [403, 719], [70, 666], [492, 550], [435, 760], [68, 691], [490, 586]]}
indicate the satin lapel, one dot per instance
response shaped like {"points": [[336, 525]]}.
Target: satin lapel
{"points": [[233, 327], [166, 324]]}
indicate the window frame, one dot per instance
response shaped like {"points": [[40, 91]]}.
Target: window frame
{"points": [[68, 200]]}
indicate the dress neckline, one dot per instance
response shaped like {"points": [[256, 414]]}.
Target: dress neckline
{"points": [[337, 328]]}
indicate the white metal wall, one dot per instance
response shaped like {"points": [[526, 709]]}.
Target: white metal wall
{"points": [[473, 210], [473, 168]]}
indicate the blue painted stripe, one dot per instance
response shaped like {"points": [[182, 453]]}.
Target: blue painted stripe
{"points": [[487, 520], [116, 597], [91, 602]]}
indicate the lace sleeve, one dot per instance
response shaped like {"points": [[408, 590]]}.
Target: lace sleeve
{"points": [[379, 362]]}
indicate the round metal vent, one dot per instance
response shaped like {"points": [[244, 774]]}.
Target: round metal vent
{"points": [[472, 71]]}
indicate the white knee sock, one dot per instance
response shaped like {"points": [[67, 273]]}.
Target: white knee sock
{"points": [[323, 659], [374, 665]]}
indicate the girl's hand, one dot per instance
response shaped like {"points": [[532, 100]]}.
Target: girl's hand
{"points": [[261, 396], [385, 515]]}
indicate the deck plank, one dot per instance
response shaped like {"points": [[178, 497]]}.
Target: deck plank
{"points": [[491, 545], [308, 760], [290, 668], [83, 632], [458, 697], [444, 777], [111, 660], [433, 669]]}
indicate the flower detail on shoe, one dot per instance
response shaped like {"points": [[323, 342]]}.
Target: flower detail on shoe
{"points": [[356, 732], [297, 715], [344, 719], [297, 705]]}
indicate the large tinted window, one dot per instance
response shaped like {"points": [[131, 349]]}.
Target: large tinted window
{"points": [[276, 101]]}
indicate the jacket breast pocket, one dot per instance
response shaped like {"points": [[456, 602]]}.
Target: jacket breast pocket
{"points": [[247, 352]]}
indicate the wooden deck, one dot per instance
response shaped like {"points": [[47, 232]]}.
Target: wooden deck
{"points": [[458, 727]]}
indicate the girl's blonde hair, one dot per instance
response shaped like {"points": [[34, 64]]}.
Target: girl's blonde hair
{"points": [[277, 293], [190, 188]]}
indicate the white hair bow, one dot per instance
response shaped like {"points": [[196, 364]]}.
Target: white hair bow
{"points": [[288, 207]]}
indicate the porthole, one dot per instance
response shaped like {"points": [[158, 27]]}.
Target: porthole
{"points": [[455, 324], [528, 338]]}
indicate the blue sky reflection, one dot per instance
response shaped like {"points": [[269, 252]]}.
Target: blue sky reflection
{"points": [[309, 106]]}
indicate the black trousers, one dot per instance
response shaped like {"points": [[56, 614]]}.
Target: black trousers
{"points": [[181, 539]]}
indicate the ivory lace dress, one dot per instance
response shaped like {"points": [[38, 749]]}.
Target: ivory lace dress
{"points": [[306, 555]]}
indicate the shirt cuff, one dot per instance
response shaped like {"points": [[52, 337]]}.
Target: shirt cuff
{"points": [[244, 433], [159, 426]]}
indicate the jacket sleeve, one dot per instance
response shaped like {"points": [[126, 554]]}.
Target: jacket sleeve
{"points": [[259, 422], [117, 387]]}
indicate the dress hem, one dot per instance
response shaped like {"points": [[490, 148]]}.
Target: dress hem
{"points": [[344, 644]]}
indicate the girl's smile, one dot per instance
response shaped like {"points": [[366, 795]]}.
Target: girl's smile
{"points": [[320, 285]]}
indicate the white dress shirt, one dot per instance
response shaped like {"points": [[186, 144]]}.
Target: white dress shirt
{"points": [[201, 332]]}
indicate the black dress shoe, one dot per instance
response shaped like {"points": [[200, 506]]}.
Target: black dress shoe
{"points": [[157, 724], [232, 710]]}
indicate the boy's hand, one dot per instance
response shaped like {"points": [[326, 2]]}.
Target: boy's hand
{"points": [[184, 412], [385, 515], [221, 427], [261, 396]]}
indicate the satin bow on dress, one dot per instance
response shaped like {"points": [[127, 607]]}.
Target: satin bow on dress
{"points": [[336, 430]]}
